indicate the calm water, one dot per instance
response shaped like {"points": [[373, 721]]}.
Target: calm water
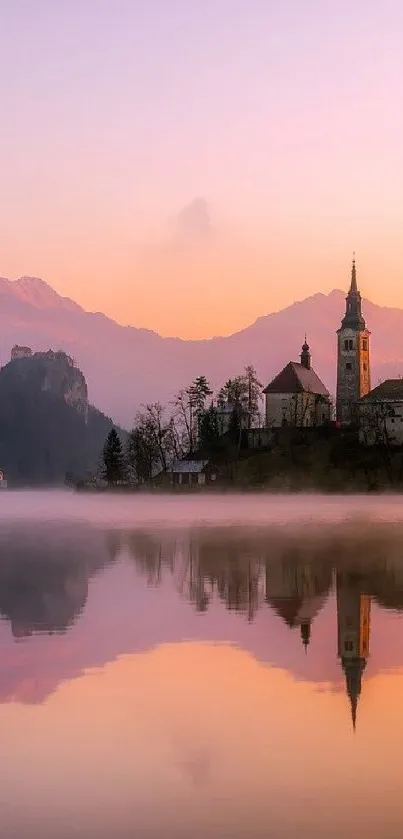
{"points": [[200, 667]]}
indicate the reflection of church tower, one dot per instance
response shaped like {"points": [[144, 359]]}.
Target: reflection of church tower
{"points": [[306, 633], [353, 624]]}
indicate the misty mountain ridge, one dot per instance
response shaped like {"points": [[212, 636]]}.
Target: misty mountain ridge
{"points": [[127, 366]]}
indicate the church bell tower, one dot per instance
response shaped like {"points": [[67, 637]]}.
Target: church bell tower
{"points": [[353, 371]]}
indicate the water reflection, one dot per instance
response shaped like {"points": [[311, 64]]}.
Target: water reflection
{"points": [[44, 576], [217, 671], [294, 577], [46, 573]]}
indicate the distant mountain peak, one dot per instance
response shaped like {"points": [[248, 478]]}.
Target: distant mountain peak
{"points": [[40, 294], [127, 367]]}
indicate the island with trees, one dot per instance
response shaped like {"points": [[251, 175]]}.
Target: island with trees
{"points": [[224, 436]]}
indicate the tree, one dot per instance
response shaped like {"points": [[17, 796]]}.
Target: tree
{"points": [[152, 442], [141, 452], [244, 394], [198, 392], [161, 429], [183, 421], [114, 468], [209, 432], [254, 394], [235, 393], [189, 404]]}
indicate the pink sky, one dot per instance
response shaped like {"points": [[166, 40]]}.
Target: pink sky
{"points": [[283, 119]]}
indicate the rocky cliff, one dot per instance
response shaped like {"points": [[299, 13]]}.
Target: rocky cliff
{"points": [[55, 373], [47, 427]]}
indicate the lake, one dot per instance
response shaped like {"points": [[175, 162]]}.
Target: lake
{"points": [[200, 666]]}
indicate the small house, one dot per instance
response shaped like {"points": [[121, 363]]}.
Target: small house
{"points": [[192, 472]]}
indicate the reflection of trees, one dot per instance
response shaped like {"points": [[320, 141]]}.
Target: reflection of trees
{"points": [[230, 567], [44, 575], [151, 553], [293, 575]]}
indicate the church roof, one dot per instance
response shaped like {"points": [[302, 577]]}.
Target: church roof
{"points": [[295, 378], [389, 390], [296, 611]]}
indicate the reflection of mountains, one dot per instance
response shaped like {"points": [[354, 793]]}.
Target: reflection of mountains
{"points": [[44, 576]]}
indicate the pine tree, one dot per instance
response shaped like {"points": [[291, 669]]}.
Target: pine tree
{"points": [[209, 434], [114, 470]]}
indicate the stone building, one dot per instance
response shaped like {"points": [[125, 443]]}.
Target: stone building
{"points": [[296, 396], [20, 352], [353, 368], [380, 415]]}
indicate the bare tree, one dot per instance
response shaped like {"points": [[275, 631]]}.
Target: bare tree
{"points": [[155, 414], [255, 395], [152, 442], [189, 406], [183, 420]]}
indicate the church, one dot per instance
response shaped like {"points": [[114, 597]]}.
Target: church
{"points": [[298, 398]]}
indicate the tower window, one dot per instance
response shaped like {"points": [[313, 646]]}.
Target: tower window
{"points": [[349, 366], [351, 345], [346, 344], [365, 344], [364, 367]]}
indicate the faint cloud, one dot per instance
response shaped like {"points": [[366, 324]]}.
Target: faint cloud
{"points": [[194, 222], [197, 769]]}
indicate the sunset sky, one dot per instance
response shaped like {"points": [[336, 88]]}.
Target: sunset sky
{"points": [[190, 166]]}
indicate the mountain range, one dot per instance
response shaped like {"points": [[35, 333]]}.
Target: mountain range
{"points": [[125, 366]]}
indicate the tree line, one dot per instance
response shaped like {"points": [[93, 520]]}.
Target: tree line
{"points": [[195, 420]]}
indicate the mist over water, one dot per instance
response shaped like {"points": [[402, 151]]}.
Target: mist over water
{"points": [[123, 510], [178, 666]]}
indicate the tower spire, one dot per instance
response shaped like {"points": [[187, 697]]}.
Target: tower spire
{"points": [[306, 633], [353, 671], [353, 318], [305, 355], [353, 284]]}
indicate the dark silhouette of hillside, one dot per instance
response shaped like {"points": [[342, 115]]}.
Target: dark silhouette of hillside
{"points": [[47, 428]]}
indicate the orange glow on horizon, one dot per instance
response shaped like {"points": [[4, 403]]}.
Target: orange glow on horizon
{"points": [[211, 289]]}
